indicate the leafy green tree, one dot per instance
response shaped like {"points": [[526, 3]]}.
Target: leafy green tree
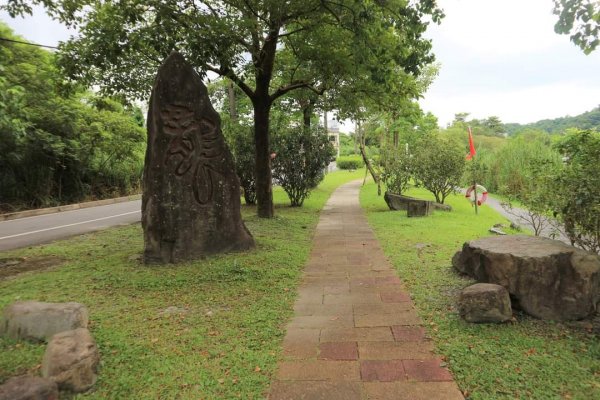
{"points": [[514, 164], [439, 163], [581, 20], [534, 196], [240, 140], [349, 45], [396, 168], [300, 161], [574, 190], [59, 145]]}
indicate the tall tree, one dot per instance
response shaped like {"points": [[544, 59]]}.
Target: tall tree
{"points": [[581, 20], [58, 143], [121, 44]]}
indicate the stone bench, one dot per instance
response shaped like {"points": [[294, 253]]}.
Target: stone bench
{"points": [[413, 206]]}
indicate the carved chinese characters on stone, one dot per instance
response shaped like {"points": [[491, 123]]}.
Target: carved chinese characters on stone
{"points": [[189, 137], [191, 200]]}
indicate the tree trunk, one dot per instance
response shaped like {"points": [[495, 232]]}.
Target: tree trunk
{"points": [[368, 164], [232, 105], [306, 114], [264, 192]]}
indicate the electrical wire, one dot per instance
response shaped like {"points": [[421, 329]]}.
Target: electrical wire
{"points": [[27, 43]]}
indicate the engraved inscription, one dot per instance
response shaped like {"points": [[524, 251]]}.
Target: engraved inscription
{"points": [[194, 143]]}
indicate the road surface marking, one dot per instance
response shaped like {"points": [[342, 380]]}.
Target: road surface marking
{"points": [[54, 213], [66, 226]]}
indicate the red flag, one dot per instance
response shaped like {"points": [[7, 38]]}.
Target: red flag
{"points": [[471, 145]]}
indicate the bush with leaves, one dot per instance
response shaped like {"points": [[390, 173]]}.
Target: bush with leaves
{"points": [[349, 162], [533, 195], [241, 143], [439, 163], [574, 190], [396, 169], [57, 145], [300, 161]]}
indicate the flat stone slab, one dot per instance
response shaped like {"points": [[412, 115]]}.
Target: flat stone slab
{"points": [[548, 278], [39, 321], [28, 387]]}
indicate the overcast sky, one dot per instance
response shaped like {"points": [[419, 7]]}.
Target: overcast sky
{"points": [[502, 57], [498, 57]]}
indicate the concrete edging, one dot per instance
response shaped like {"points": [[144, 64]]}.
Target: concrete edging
{"points": [[66, 207]]}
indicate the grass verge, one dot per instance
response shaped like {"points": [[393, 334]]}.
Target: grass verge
{"points": [[209, 329], [525, 359]]}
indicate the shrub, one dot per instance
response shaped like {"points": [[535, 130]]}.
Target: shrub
{"points": [[396, 166], [241, 143], [350, 162], [574, 190], [438, 165], [300, 162]]}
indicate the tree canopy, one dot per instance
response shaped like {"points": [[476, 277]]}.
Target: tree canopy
{"points": [[581, 20], [266, 47], [60, 143]]}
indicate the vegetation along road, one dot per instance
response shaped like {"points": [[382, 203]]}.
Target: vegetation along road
{"points": [[45, 228]]}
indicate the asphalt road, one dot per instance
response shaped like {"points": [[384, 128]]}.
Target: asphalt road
{"points": [[30, 231], [520, 217]]}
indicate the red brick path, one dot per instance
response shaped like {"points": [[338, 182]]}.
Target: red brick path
{"points": [[355, 333]]}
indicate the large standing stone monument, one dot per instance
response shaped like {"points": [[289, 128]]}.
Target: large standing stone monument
{"points": [[191, 199]]}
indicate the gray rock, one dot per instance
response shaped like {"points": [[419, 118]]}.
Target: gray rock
{"points": [[174, 310], [548, 278], [33, 320], [418, 208], [497, 231], [29, 387], [191, 196], [71, 360], [397, 202], [485, 302]]}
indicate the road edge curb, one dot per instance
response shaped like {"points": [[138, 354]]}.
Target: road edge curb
{"points": [[66, 207]]}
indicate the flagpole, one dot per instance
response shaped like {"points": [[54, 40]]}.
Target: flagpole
{"points": [[471, 156], [475, 193]]}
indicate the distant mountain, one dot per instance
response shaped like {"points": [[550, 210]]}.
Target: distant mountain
{"points": [[587, 120]]}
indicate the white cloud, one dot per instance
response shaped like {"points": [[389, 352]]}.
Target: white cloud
{"points": [[495, 29], [38, 28], [522, 105], [502, 57]]}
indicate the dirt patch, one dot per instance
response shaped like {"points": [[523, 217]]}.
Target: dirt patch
{"points": [[16, 265]]}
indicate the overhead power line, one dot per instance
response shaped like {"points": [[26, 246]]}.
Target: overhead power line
{"points": [[27, 43]]}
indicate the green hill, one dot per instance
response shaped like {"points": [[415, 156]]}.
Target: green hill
{"points": [[587, 120]]}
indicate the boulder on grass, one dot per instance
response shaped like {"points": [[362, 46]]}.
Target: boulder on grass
{"points": [[28, 387], [71, 360], [548, 278], [397, 202], [34, 320], [485, 302], [418, 208]]}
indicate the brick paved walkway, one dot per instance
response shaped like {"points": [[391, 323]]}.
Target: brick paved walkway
{"points": [[355, 333]]}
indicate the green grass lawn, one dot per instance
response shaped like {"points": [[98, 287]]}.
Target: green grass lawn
{"points": [[226, 342], [525, 359]]}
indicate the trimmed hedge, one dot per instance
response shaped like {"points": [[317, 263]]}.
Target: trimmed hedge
{"points": [[350, 162]]}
